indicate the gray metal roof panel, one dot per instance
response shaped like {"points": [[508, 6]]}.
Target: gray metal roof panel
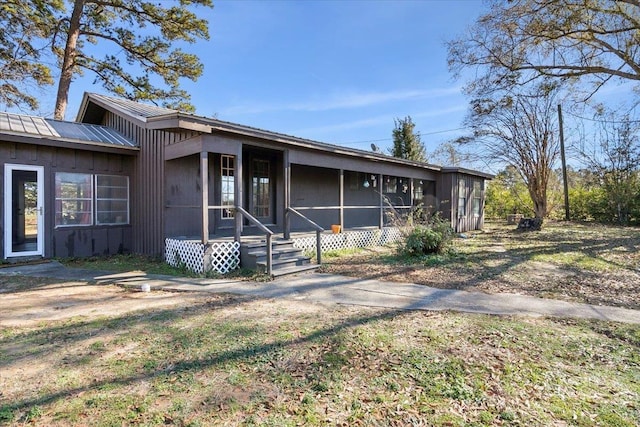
{"points": [[20, 123], [134, 108], [89, 132], [56, 130]]}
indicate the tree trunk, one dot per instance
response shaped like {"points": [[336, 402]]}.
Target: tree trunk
{"points": [[68, 61], [539, 198]]}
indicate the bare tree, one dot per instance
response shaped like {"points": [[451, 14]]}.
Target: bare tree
{"points": [[520, 129], [614, 162], [520, 40]]}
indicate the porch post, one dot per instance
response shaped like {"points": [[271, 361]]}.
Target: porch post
{"points": [[204, 185], [287, 194], [239, 199], [341, 196], [380, 187]]}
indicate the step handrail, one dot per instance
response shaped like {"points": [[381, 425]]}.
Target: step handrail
{"points": [[268, 233], [318, 231]]}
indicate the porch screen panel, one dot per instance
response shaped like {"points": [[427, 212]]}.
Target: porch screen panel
{"points": [[228, 185], [112, 199], [261, 189], [418, 192], [74, 199]]}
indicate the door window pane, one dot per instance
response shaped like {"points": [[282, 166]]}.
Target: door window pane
{"points": [[228, 186], [261, 189]]}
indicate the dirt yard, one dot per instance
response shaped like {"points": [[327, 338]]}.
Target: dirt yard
{"points": [[29, 301], [593, 264], [572, 262]]}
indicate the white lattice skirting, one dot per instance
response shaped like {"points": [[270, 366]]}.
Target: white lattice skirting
{"points": [[223, 257], [220, 257], [350, 239]]}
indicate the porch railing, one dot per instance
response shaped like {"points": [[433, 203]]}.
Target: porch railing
{"points": [[268, 233], [315, 227]]}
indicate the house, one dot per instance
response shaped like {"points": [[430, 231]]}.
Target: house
{"points": [[128, 177]]}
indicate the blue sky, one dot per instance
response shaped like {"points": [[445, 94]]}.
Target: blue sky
{"points": [[332, 71]]}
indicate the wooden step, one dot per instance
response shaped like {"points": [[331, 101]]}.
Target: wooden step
{"points": [[286, 259]]}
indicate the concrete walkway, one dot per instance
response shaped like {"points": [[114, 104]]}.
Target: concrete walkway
{"points": [[328, 288]]}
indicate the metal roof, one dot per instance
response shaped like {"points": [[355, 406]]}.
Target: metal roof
{"points": [[61, 130], [134, 108], [150, 113], [26, 124], [89, 132]]}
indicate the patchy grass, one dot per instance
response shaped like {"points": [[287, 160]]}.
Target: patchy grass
{"points": [[231, 361], [574, 262], [123, 263], [150, 265]]}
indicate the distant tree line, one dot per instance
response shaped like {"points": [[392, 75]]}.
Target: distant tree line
{"points": [[527, 56], [606, 188]]}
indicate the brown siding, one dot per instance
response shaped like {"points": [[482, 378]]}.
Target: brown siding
{"points": [[468, 221], [444, 195], [148, 183], [69, 241]]}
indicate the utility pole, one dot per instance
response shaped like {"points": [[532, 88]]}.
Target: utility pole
{"points": [[564, 166]]}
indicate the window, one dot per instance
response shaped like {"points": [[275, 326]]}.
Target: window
{"points": [[462, 200], [78, 194], [112, 199], [477, 197], [228, 186], [74, 199]]}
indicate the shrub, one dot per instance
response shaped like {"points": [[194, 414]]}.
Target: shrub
{"points": [[430, 238]]}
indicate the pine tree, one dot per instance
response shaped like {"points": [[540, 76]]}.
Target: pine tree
{"points": [[140, 63], [406, 142]]}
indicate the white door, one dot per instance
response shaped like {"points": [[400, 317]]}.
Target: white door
{"points": [[23, 210]]}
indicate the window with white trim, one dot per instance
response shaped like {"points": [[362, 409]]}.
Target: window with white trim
{"points": [[112, 199], [74, 199], [86, 199]]}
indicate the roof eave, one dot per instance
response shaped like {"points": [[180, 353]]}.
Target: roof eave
{"points": [[466, 171], [314, 145], [177, 121]]}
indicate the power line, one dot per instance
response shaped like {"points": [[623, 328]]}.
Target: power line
{"points": [[601, 120], [391, 139]]}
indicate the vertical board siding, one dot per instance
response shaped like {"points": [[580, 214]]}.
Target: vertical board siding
{"points": [[468, 221], [147, 187]]}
